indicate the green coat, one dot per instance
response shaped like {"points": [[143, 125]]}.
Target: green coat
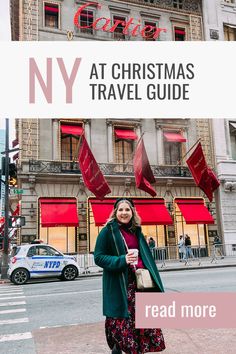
{"points": [[110, 254]]}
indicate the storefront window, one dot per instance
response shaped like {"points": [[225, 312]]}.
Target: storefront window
{"points": [[153, 216], [62, 238]]}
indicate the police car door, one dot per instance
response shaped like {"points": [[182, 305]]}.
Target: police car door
{"points": [[53, 260], [46, 261], [34, 261]]}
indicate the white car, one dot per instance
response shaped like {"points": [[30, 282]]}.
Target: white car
{"points": [[40, 261]]}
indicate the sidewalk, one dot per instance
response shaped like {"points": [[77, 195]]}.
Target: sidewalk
{"points": [[176, 265], [90, 339], [197, 263]]}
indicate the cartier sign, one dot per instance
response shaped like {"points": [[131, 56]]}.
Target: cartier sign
{"points": [[108, 25]]}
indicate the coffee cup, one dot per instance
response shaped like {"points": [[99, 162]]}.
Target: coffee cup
{"points": [[135, 252]]}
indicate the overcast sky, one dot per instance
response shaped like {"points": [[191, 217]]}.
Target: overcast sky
{"points": [[4, 21]]}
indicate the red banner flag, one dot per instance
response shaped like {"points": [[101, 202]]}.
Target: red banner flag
{"points": [[202, 174], [92, 175], [142, 170]]}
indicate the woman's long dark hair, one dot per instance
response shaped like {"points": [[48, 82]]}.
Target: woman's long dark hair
{"points": [[135, 220]]}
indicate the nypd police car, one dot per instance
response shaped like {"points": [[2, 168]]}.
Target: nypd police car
{"points": [[38, 261]]}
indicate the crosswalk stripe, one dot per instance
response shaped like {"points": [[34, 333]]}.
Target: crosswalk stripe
{"points": [[12, 297], [2, 287], [15, 336], [7, 294], [11, 289], [14, 321], [12, 311], [16, 303]]}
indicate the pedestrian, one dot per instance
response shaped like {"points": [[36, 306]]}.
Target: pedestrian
{"points": [[182, 248], [189, 252], [217, 244], [119, 282], [151, 243]]}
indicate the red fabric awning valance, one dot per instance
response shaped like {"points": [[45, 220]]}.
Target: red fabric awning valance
{"points": [[179, 31], [151, 211], [72, 129], [51, 8], [174, 137], [194, 211], [58, 212], [125, 134]]}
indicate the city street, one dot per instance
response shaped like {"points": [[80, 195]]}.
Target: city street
{"points": [[65, 317]]}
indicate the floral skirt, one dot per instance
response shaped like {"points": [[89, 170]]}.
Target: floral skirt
{"points": [[122, 331]]}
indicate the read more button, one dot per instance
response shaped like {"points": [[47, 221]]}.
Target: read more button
{"points": [[185, 310]]}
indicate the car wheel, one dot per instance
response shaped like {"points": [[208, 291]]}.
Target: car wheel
{"points": [[20, 276], [69, 273]]}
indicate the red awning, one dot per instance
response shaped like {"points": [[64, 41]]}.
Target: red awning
{"points": [[58, 212], [72, 129], [194, 211], [174, 137], [151, 211], [179, 31], [51, 8], [125, 134]]}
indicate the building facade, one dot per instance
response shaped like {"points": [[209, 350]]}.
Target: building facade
{"points": [[47, 166], [56, 20], [225, 149], [219, 18], [53, 187]]}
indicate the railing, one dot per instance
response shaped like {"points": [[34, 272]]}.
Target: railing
{"points": [[87, 264], [43, 166], [170, 256]]}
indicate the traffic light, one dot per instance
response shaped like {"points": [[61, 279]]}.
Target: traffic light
{"points": [[12, 174]]}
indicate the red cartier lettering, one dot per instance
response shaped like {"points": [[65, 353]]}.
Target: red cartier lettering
{"points": [[146, 31]]}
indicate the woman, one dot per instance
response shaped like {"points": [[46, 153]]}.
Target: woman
{"points": [[182, 249], [119, 284]]}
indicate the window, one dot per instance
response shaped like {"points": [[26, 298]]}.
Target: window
{"points": [[51, 15], [150, 31], [178, 4], [70, 135], [172, 153], [229, 33], [124, 145], [118, 32], [232, 129], [173, 147], [123, 151], [179, 33], [86, 20]]}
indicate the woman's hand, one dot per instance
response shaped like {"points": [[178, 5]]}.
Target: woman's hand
{"points": [[130, 257]]}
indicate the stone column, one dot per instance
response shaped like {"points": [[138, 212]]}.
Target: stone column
{"points": [[160, 147], [109, 142], [87, 131], [55, 140]]}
